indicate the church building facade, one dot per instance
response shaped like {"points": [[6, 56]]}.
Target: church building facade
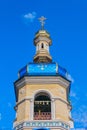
{"points": [[42, 90]]}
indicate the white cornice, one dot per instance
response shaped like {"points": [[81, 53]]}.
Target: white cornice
{"points": [[42, 80]]}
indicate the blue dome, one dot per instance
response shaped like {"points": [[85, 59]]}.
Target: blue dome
{"points": [[43, 69]]}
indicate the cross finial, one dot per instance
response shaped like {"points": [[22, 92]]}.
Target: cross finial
{"points": [[42, 21]]}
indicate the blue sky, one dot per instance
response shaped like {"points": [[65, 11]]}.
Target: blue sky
{"points": [[67, 24]]}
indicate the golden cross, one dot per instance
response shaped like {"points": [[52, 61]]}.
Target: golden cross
{"points": [[42, 19]]}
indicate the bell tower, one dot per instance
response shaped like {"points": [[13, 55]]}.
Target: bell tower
{"points": [[42, 91]]}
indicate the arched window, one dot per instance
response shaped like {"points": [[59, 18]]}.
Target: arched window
{"points": [[47, 47], [42, 106], [42, 45]]}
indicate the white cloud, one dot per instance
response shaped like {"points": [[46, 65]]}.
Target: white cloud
{"points": [[69, 77], [74, 98], [30, 16], [72, 94], [80, 116]]}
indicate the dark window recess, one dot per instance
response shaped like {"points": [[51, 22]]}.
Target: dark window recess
{"points": [[42, 45]]}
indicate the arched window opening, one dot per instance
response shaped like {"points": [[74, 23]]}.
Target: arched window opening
{"points": [[42, 45], [47, 47], [42, 107], [38, 47], [41, 128]]}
